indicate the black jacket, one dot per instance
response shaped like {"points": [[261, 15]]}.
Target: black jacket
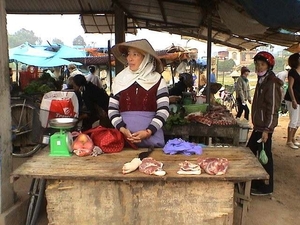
{"points": [[93, 96]]}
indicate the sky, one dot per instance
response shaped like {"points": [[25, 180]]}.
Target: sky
{"points": [[68, 27]]}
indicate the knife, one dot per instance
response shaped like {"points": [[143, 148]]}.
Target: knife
{"points": [[136, 162]]}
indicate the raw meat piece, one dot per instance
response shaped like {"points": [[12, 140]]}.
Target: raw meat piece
{"points": [[222, 166], [213, 166], [82, 152], [219, 116], [150, 166], [187, 167]]}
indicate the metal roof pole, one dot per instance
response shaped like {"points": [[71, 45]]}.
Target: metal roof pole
{"points": [[208, 68], [119, 32], [109, 66]]}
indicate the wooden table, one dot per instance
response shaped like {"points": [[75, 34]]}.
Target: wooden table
{"points": [[92, 190], [201, 130]]}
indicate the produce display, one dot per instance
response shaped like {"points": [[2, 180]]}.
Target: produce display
{"points": [[216, 115], [42, 85]]}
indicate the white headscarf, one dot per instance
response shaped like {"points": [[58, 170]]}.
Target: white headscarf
{"points": [[146, 76]]}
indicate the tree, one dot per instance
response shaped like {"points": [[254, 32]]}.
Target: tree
{"points": [[226, 65], [22, 36], [79, 41], [57, 41]]}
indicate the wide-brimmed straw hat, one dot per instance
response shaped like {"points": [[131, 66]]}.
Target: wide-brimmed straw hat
{"points": [[120, 51]]}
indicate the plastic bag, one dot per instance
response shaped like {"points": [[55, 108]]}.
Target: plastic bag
{"points": [[263, 158], [83, 145]]}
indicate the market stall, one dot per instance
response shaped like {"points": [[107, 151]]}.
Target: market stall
{"points": [[200, 122], [197, 130], [93, 190]]}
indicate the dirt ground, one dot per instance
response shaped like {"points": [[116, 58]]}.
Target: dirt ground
{"points": [[282, 208]]}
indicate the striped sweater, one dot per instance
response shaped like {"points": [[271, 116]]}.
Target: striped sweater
{"points": [[136, 98]]}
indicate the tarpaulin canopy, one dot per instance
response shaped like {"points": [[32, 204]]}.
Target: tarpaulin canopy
{"points": [[28, 50], [242, 24], [274, 14], [66, 52], [30, 55]]}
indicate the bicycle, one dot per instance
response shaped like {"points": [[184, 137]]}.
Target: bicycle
{"points": [[228, 98], [24, 112], [37, 193]]}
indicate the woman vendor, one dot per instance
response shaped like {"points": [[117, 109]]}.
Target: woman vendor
{"points": [[139, 105]]}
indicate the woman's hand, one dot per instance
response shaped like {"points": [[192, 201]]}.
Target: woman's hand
{"points": [[126, 132], [138, 136]]}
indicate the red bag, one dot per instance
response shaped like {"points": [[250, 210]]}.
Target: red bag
{"points": [[110, 140]]}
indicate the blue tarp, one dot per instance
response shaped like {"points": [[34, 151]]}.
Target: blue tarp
{"points": [[274, 13], [66, 52], [30, 55]]}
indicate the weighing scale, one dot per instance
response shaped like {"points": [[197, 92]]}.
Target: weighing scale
{"points": [[61, 142]]}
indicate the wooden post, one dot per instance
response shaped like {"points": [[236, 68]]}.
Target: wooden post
{"points": [[120, 22], [208, 68], [109, 66], [6, 193]]}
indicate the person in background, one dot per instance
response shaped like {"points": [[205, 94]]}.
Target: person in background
{"points": [[213, 78], [93, 103], [242, 89], [92, 77], [73, 72], [184, 84], [202, 80], [283, 75], [292, 99], [51, 73], [264, 115], [139, 106]]}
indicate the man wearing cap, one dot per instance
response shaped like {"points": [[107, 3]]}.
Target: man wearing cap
{"points": [[139, 105], [243, 93]]}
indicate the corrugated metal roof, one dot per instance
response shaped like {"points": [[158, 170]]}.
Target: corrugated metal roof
{"points": [[183, 17], [58, 6]]}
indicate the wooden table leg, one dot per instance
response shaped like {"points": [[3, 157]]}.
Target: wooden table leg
{"points": [[242, 196]]}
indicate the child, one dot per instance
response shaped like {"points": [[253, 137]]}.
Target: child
{"points": [[264, 114]]}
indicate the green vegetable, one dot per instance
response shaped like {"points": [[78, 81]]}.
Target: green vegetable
{"points": [[175, 120], [42, 85]]}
